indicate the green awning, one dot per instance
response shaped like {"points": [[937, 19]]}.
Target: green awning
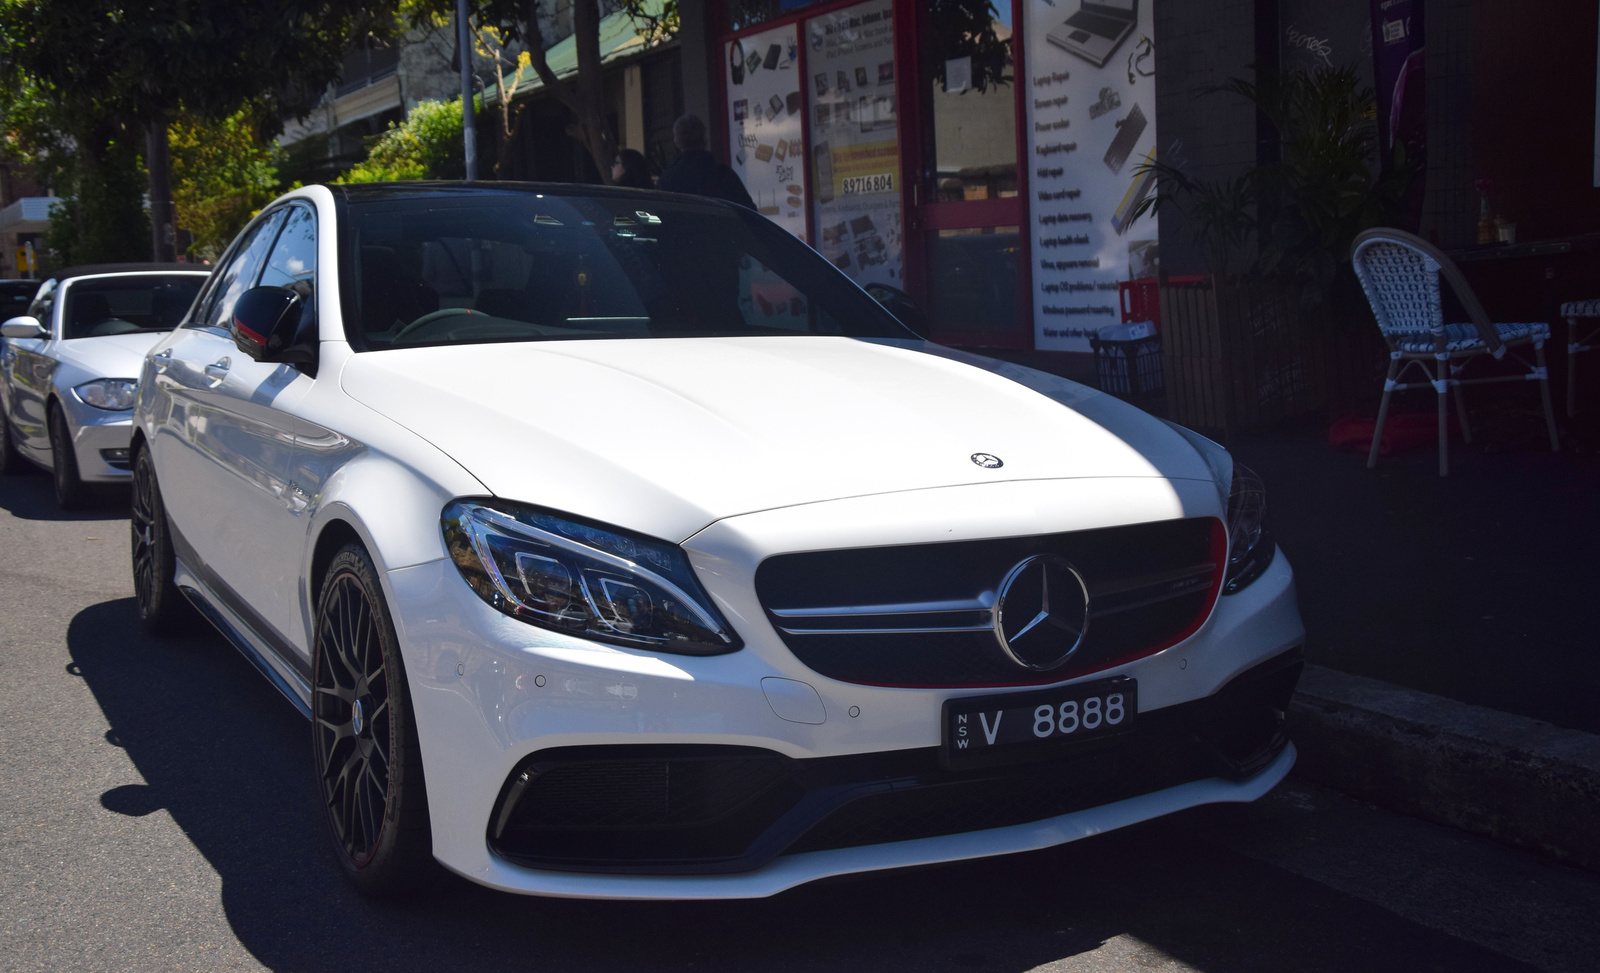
{"points": [[620, 36]]}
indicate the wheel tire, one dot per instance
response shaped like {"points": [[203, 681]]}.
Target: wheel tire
{"points": [[162, 609], [10, 459], [364, 738], [71, 492]]}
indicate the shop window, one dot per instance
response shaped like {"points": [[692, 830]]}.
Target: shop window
{"points": [[749, 13], [765, 108], [968, 82], [974, 278], [855, 148]]}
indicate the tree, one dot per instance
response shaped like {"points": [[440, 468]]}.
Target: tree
{"points": [[134, 67], [495, 45], [223, 173], [427, 145], [583, 94], [1296, 217], [101, 219], [91, 158]]}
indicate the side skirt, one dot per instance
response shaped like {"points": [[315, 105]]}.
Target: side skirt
{"points": [[288, 680]]}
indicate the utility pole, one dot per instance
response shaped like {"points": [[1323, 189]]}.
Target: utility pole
{"points": [[469, 127], [158, 163]]}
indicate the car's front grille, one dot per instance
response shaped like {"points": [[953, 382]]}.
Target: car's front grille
{"points": [[920, 615], [696, 809]]}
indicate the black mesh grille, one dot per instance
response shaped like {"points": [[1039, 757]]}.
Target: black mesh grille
{"points": [[1013, 797], [1150, 585], [702, 809]]}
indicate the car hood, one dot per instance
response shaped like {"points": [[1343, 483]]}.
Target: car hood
{"points": [[112, 355], [665, 436]]}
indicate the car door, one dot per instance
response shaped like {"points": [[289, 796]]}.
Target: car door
{"points": [[225, 449], [28, 366]]}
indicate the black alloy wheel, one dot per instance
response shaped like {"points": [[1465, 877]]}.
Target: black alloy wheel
{"points": [[10, 459], [162, 608], [71, 492], [369, 766]]}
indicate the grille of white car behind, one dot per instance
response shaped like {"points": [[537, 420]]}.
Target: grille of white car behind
{"points": [[918, 615]]}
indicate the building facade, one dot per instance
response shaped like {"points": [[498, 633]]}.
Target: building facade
{"points": [[990, 158]]}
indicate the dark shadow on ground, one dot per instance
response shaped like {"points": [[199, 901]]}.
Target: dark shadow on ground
{"points": [[30, 495], [229, 760], [1478, 587]]}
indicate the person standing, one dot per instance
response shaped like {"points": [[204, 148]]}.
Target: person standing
{"points": [[697, 171], [630, 169]]}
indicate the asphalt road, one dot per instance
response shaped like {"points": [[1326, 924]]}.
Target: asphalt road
{"points": [[156, 814]]}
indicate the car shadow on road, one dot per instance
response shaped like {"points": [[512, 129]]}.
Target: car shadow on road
{"points": [[230, 761], [30, 495]]}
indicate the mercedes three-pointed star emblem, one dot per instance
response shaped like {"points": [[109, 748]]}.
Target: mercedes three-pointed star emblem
{"points": [[1042, 612]]}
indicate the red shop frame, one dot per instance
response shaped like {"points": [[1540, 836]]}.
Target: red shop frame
{"points": [[915, 219]]}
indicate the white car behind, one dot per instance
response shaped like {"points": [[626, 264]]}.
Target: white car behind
{"points": [[69, 368]]}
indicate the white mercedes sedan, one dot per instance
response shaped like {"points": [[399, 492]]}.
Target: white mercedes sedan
{"points": [[616, 545], [69, 368]]}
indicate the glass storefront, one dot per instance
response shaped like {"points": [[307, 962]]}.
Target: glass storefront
{"points": [[817, 98], [855, 144]]}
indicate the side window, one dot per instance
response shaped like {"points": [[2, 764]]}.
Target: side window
{"points": [[239, 273], [293, 262]]}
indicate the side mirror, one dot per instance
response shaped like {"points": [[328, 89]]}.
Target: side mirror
{"points": [[900, 304], [24, 326], [275, 324]]}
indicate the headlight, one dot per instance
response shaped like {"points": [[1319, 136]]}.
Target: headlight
{"points": [[114, 394], [1250, 543], [582, 579]]}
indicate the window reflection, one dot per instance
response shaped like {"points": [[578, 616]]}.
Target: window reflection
{"points": [[969, 90], [974, 279]]}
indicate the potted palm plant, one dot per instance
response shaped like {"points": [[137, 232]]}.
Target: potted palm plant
{"points": [[1278, 329]]}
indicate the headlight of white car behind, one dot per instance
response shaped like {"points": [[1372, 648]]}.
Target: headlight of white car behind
{"points": [[1250, 542], [112, 394], [583, 579]]}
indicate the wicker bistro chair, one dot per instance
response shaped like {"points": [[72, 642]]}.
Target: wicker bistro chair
{"points": [[1400, 274], [1580, 338]]}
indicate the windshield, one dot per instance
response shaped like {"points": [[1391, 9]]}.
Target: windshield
{"points": [[123, 305], [525, 267], [15, 296]]}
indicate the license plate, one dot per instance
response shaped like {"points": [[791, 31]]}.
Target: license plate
{"points": [[1009, 728]]}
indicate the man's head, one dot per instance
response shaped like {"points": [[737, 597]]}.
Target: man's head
{"points": [[689, 132]]}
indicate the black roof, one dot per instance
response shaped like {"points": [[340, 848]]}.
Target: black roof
{"points": [[381, 190], [131, 268]]}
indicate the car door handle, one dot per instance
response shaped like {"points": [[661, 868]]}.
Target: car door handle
{"points": [[162, 360], [219, 369], [298, 498]]}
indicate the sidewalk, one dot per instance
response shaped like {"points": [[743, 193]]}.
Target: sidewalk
{"points": [[1451, 623], [1481, 587], [1455, 619]]}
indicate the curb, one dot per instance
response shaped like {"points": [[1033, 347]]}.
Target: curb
{"points": [[1506, 777]]}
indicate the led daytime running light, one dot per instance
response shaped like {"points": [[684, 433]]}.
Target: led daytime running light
{"points": [[512, 526], [583, 580]]}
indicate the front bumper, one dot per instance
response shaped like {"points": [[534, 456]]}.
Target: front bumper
{"points": [[490, 691], [94, 433]]}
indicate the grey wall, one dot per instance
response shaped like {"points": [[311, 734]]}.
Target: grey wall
{"points": [[1201, 44]]}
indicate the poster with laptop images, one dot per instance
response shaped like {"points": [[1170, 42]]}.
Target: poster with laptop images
{"points": [[764, 115], [1091, 93], [855, 151]]}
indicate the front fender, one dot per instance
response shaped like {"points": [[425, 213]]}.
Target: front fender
{"points": [[359, 469]]}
